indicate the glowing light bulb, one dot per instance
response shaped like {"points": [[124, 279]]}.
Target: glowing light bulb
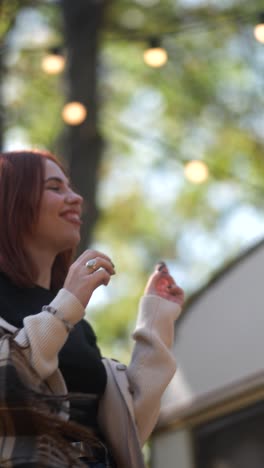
{"points": [[259, 32], [74, 113], [259, 28], [196, 171], [155, 57], [53, 63]]}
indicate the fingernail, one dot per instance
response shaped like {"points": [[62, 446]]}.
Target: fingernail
{"points": [[160, 265], [112, 264]]}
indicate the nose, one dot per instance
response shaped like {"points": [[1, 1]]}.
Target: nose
{"points": [[73, 198]]}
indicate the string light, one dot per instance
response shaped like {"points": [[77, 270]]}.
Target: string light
{"points": [[53, 62], [155, 56], [74, 113], [259, 29], [196, 171]]}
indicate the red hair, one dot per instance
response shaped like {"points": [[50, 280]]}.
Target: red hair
{"points": [[21, 187]]}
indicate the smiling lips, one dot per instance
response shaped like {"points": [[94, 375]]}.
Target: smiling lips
{"points": [[72, 217]]}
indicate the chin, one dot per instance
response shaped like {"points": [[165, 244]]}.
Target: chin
{"points": [[70, 243]]}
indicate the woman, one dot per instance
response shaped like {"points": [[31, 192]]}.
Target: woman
{"points": [[53, 350]]}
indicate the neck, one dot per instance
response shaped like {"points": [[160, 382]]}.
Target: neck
{"points": [[44, 277], [43, 261]]}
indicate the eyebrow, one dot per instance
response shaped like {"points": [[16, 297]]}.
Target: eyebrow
{"points": [[56, 179]]}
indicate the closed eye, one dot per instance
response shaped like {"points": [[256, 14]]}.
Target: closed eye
{"points": [[56, 184], [55, 189]]}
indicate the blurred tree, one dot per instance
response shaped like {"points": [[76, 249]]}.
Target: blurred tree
{"points": [[82, 144]]}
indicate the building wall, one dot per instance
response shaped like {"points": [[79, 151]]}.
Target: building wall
{"points": [[172, 450], [219, 344], [220, 338]]}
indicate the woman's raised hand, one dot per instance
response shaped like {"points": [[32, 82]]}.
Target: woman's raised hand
{"points": [[162, 284], [89, 271]]}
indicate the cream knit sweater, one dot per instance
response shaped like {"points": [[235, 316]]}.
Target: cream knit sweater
{"points": [[130, 406]]}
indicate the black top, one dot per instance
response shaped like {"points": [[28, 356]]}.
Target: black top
{"points": [[80, 358]]}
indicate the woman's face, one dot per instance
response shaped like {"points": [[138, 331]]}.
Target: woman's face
{"points": [[58, 225]]}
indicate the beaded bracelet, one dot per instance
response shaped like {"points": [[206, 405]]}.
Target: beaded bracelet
{"points": [[69, 327]]}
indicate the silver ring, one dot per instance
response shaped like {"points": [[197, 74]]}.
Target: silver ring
{"points": [[91, 264]]}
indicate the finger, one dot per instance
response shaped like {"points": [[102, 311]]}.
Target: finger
{"points": [[90, 254], [101, 277], [154, 282], [95, 263], [174, 289], [161, 274]]}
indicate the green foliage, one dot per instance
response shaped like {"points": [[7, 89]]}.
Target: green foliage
{"points": [[37, 107], [33, 100], [8, 11]]}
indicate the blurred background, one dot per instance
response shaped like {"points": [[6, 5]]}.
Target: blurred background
{"points": [[156, 107]]}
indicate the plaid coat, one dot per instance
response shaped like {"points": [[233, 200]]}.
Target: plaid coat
{"points": [[28, 432]]}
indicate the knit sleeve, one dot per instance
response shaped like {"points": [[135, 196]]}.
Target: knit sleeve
{"points": [[153, 363], [44, 334]]}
